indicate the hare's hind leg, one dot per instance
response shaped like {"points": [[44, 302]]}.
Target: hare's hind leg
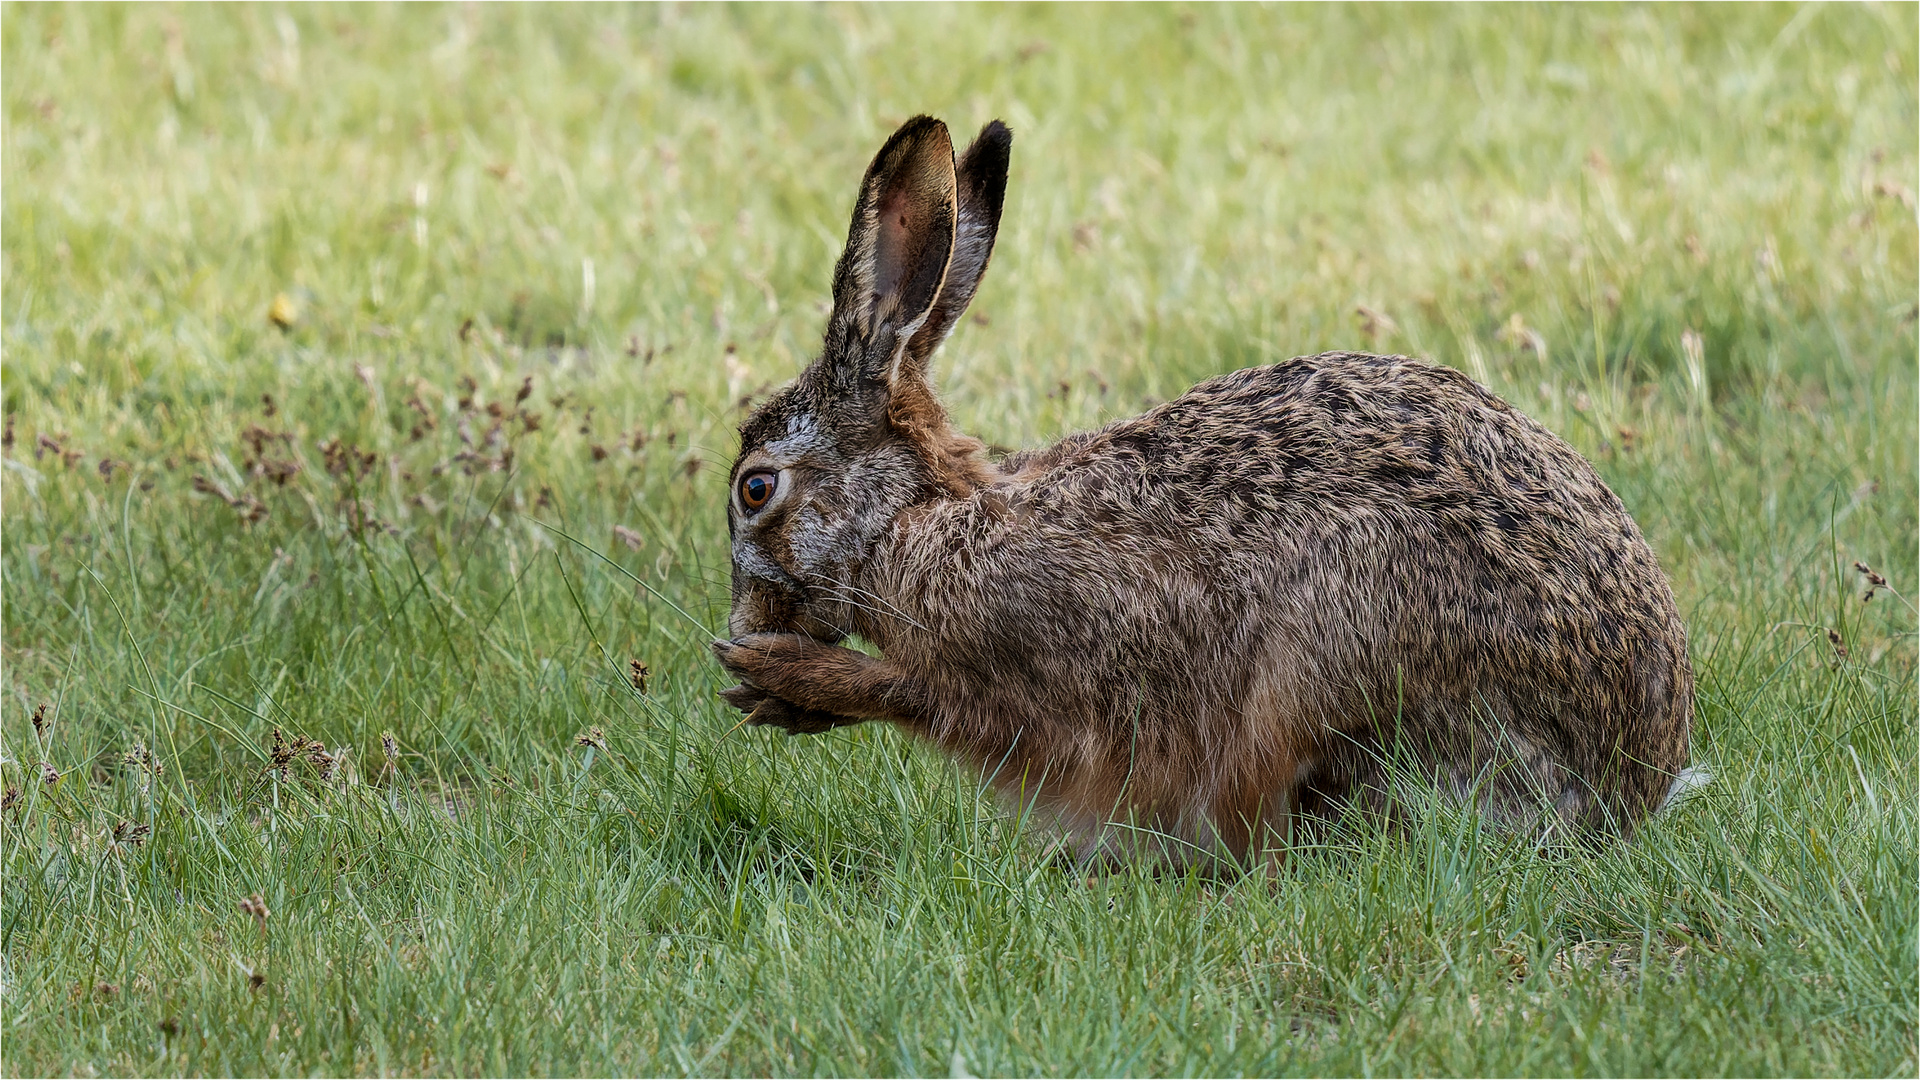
{"points": [[823, 679]]}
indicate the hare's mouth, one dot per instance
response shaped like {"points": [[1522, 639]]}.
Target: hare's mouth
{"points": [[765, 606]]}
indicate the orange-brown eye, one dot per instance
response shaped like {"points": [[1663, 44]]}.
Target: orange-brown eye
{"points": [[757, 488]]}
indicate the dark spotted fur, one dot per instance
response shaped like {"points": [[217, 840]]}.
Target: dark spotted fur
{"points": [[1216, 620]]}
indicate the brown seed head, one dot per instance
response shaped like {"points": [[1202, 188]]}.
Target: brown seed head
{"points": [[637, 673], [256, 908], [142, 758], [1374, 324], [40, 721], [12, 796], [282, 751], [48, 774], [591, 737]]}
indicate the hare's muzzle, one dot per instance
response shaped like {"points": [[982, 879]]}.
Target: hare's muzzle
{"points": [[765, 607]]}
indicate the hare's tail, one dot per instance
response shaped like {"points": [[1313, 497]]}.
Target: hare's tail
{"points": [[1687, 784]]}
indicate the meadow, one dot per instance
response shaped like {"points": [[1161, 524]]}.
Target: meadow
{"points": [[371, 374]]}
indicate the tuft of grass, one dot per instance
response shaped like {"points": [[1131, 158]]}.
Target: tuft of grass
{"points": [[368, 374]]}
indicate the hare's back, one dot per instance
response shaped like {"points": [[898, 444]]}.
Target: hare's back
{"points": [[1391, 498], [1408, 503], [1344, 440]]}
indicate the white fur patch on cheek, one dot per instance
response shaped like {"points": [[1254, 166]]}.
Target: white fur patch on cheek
{"points": [[814, 540]]}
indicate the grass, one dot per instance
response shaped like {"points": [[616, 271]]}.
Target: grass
{"points": [[1683, 238]]}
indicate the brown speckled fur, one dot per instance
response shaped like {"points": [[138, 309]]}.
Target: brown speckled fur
{"points": [[1208, 624]]}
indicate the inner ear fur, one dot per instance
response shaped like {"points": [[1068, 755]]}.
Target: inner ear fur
{"points": [[981, 183], [902, 234]]}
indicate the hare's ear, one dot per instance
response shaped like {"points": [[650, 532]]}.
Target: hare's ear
{"points": [[899, 242], [981, 180]]}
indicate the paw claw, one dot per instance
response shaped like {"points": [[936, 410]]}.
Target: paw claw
{"points": [[732, 656]]}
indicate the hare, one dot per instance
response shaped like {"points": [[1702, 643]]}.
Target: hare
{"points": [[1206, 626]]}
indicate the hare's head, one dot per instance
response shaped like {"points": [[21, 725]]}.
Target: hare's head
{"points": [[829, 463]]}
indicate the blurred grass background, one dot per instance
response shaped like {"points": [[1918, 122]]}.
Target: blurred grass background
{"points": [[372, 371]]}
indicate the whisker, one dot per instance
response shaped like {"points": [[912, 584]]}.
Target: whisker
{"points": [[849, 592]]}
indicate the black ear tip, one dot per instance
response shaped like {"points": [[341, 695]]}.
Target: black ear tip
{"points": [[996, 136], [986, 160]]}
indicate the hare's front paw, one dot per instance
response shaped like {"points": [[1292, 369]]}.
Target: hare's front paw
{"points": [[766, 710], [768, 662], [767, 656], [816, 678], [763, 709], [746, 697]]}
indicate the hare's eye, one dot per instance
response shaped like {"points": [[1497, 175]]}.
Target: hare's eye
{"points": [[757, 488]]}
